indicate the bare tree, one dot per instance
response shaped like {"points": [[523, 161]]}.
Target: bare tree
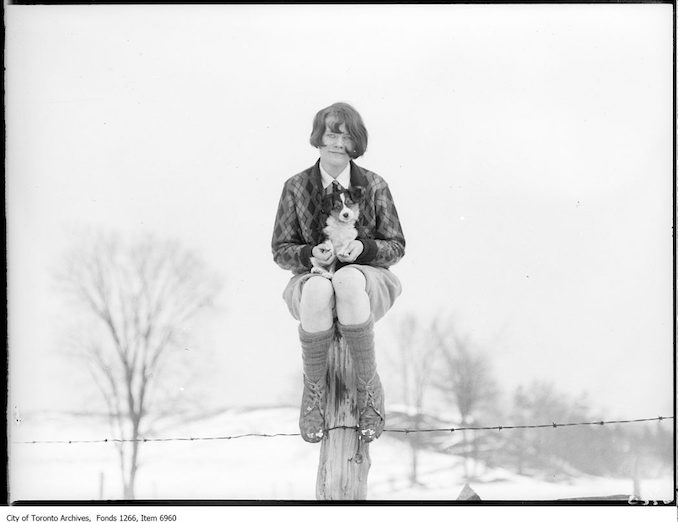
{"points": [[140, 298], [415, 359], [464, 376]]}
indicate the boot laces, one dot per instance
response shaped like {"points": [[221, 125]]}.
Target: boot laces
{"points": [[370, 391], [314, 396]]}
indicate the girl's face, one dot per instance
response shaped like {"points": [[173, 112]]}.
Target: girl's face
{"points": [[335, 148]]}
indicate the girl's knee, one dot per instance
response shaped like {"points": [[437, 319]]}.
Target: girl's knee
{"points": [[317, 293], [353, 303], [348, 282]]}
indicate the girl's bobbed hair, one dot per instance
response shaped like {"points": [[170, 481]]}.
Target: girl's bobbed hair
{"points": [[333, 116]]}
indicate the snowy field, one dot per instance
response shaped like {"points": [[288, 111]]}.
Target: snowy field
{"points": [[255, 468]]}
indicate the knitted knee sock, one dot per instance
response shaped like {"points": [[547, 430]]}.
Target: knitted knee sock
{"points": [[360, 341], [314, 349]]}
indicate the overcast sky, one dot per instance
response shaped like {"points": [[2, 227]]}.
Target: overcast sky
{"points": [[527, 147]]}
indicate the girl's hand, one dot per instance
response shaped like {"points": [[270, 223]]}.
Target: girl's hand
{"points": [[353, 250], [324, 255]]}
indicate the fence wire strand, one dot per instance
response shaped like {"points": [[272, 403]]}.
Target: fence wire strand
{"points": [[406, 431]]}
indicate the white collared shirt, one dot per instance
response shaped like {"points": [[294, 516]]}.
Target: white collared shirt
{"points": [[344, 177]]}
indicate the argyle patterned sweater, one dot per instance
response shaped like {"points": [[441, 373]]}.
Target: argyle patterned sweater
{"points": [[300, 220]]}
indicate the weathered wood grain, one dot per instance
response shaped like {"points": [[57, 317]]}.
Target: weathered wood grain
{"points": [[344, 460]]}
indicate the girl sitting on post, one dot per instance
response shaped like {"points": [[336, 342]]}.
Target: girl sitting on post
{"points": [[362, 288]]}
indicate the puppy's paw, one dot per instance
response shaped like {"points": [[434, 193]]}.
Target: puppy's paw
{"points": [[318, 270], [327, 246]]}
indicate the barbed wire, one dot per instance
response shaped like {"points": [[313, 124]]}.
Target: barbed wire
{"points": [[406, 431], [527, 426]]}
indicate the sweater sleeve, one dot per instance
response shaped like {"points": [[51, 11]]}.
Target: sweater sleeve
{"points": [[289, 249], [388, 245]]}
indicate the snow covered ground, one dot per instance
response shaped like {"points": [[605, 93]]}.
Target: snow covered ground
{"points": [[255, 468]]}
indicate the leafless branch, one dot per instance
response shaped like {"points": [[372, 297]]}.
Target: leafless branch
{"points": [[141, 298]]}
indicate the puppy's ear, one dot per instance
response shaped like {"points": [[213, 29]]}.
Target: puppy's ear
{"points": [[356, 193]]}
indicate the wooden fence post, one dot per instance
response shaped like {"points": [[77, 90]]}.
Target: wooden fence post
{"points": [[344, 459]]}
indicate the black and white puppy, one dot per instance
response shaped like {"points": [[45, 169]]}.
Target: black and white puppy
{"points": [[343, 207]]}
